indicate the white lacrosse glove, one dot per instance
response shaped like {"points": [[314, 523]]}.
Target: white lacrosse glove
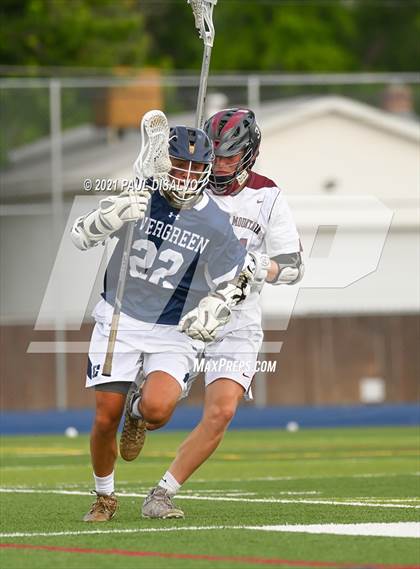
{"points": [[114, 211], [94, 227], [214, 311], [202, 322], [261, 266]]}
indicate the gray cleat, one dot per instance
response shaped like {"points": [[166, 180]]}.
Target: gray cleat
{"points": [[158, 504]]}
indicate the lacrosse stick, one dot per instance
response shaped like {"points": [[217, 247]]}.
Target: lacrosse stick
{"points": [[203, 14], [152, 162]]}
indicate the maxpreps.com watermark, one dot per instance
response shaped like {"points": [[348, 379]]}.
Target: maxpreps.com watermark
{"points": [[227, 365]]}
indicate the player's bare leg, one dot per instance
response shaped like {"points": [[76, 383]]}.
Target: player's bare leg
{"points": [[149, 408], [103, 448], [159, 398], [103, 441], [221, 400]]}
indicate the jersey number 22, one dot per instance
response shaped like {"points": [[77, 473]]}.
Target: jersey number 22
{"points": [[139, 265]]}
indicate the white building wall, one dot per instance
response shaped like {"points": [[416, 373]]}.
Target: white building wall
{"points": [[28, 253], [393, 288], [301, 157], [361, 160]]}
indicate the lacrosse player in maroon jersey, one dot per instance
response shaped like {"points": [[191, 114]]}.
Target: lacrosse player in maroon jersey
{"points": [[261, 219]]}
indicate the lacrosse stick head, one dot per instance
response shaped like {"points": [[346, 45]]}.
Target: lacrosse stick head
{"points": [[192, 156], [203, 15], [153, 160]]}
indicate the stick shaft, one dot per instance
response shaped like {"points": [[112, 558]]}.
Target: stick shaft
{"points": [[205, 66], [107, 369]]}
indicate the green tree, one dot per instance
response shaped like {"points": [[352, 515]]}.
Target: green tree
{"points": [[285, 37], [389, 37], [251, 35], [174, 41], [279, 35], [79, 33]]}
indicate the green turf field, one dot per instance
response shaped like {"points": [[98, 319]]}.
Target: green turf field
{"points": [[257, 478]]}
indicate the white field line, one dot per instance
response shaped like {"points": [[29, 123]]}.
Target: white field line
{"points": [[376, 499], [219, 498], [131, 530], [398, 529], [311, 477], [217, 480], [235, 492]]}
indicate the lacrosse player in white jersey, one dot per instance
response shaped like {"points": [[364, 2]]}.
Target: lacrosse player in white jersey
{"points": [[261, 219], [185, 265]]}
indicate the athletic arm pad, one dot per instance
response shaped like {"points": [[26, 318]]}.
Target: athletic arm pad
{"points": [[291, 269]]}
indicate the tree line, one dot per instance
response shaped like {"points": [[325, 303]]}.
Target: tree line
{"points": [[258, 35]]}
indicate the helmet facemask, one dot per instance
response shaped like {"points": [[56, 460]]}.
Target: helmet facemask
{"points": [[230, 183], [187, 180], [233, 131], [191, 153]]}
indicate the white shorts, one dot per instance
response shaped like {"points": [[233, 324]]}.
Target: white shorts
{"points": [[234, 357], [154, 347]]}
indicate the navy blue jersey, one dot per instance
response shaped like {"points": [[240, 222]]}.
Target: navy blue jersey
{"points": [[177, 257]]}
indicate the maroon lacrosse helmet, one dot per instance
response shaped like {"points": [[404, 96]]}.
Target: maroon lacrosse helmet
{"points": [[233, 131]]}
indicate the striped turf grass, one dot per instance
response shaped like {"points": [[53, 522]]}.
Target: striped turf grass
{"points": [[287, 470]]}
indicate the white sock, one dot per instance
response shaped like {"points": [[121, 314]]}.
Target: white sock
{"points": [[134, 410], [169, 483], [105, 484]]}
